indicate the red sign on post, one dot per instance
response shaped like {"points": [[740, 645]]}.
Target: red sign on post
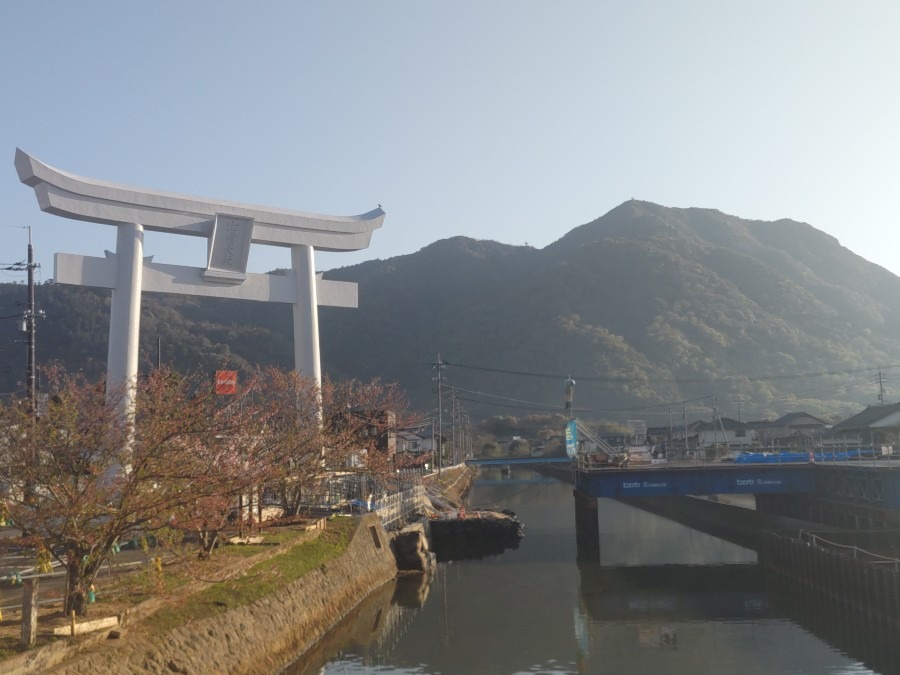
{"points": [[226, 381]]}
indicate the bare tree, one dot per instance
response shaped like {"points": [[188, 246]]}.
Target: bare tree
{"points": [[81, 478], [362, 420]]}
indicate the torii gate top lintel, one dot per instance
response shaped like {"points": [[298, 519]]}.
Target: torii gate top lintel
{"points": [[70, 196]]}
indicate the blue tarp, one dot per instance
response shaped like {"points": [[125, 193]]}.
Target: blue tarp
{"points": [[818, 456]]}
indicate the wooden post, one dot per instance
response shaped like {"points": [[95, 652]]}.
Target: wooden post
{"points": [[29, 611]]}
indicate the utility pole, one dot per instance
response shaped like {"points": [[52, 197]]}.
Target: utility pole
{"points": [[467, 437], [28, 326], [432, 443], [453, 421], [439, 366], [30, 322], [670, 426], [718, 418], [880, 387]]}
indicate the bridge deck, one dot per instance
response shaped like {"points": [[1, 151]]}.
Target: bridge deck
{"points": [[875, 483], [516, 461], [681, 481]]}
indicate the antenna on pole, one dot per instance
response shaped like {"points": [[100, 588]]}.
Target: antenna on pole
{"points": [[570, 396]]}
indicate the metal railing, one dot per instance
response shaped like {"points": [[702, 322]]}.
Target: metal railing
{"points": [[747, 457], [850, 550], [396, 509], [356, 489]]}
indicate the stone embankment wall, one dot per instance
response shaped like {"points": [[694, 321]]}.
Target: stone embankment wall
{"points": [[454, 484], [865, 587], [263, 636]]}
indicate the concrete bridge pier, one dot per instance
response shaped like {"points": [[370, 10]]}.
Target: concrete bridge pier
{"points": [[587, 528]]}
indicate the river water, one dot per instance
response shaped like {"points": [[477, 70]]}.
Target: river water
{"points": [[662, 599]]}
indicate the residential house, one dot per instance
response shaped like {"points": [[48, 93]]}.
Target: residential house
{"points": [[876, 425], [685, 437], [790, 429], [410, 443], [724, 431], [416, 441]]}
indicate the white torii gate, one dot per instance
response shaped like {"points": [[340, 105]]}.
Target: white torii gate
{"points": [[229, 228]]}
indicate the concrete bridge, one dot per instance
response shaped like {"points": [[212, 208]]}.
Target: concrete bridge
{"points": [[516, 461], [873, 483], [853, 485], [682, 480], [861, 496], [850, 494]]}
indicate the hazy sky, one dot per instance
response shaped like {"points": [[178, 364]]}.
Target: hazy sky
{"points": [[512, 121]]}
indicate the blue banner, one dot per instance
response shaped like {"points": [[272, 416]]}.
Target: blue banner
{"points": [[571, 439]]}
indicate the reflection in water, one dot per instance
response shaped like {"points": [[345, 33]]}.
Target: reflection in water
{"points": [[374, 629], [716, 592], [873, 642], [663, 598]]}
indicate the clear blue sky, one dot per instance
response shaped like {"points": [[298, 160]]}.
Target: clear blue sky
{"points": [[507, 120]]}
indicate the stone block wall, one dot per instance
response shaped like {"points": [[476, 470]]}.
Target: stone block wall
{"points": [[263, 636]]}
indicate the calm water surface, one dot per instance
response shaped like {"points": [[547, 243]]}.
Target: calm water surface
{"points": [[663, 598]]}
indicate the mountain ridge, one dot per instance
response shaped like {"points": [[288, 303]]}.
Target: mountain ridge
{"points": [[646, 305]]}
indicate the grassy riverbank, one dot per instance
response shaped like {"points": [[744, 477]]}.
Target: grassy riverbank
{"points": [[234, 576], [185, 591], [261, 579]]}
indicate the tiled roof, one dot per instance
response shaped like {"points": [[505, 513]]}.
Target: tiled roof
{"points": [[727, 423], [867, 417], [790, 418]]}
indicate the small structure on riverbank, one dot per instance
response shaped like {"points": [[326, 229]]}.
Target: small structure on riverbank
{"points": [[411, 549], [475, 535]]}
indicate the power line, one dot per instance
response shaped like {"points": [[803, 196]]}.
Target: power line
{"points": [[864, 377], [676, 380], [497, 404], [507, 398], [508, 402]]}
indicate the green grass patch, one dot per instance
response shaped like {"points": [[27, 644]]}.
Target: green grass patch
{"points": [[263, 579], [273, 537], [10, 647]]}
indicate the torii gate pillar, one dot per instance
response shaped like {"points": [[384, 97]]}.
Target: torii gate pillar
{"points": [[125, 307], [306, 313], [229, 228]]}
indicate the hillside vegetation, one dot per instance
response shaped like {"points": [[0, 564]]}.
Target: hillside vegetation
{"points": [[645, 306]]}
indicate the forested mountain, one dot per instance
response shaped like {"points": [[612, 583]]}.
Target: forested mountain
{"points": [[645, 306]]}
